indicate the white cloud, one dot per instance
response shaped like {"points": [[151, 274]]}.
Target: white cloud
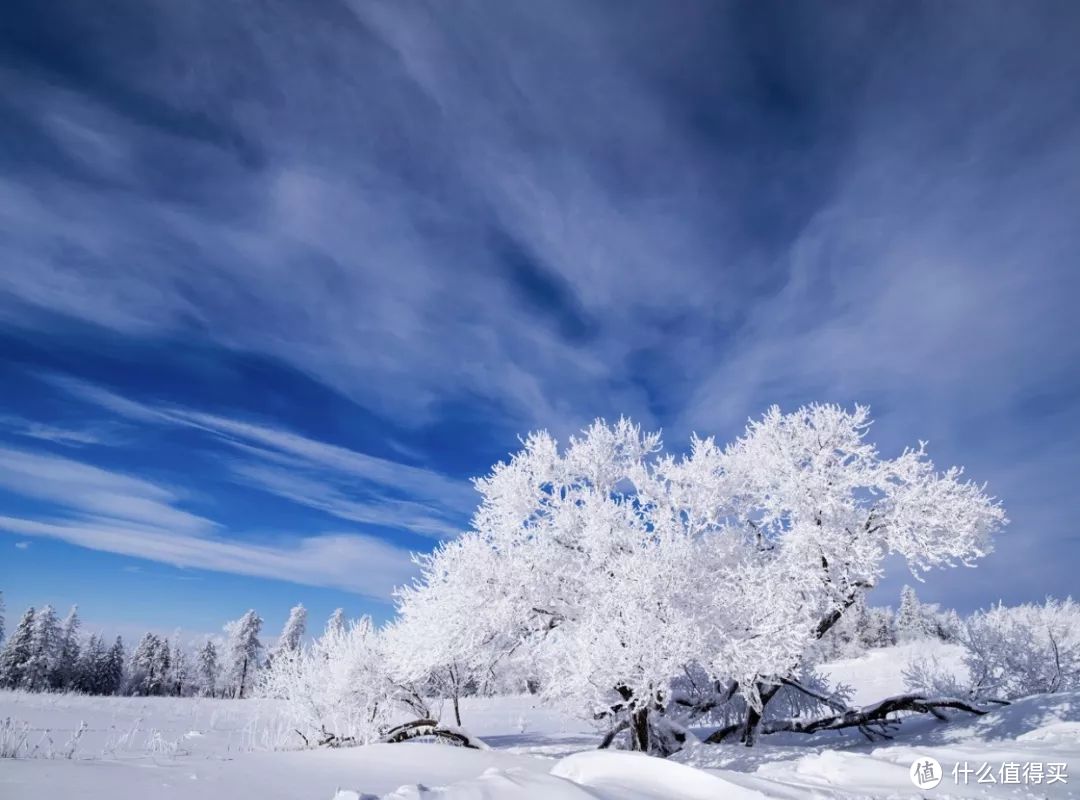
{"points": [[351, 562], [409, 515], [345, 483], [56, 434], [87, 489], [414, 481], [110, 511]]}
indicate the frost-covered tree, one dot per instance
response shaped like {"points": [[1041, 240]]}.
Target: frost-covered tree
{"points": [[141, 666], [861, 628], [818, 508], [150, 663], [17, 653], [179, 671], [90, 672], [563, 572], [848, 637], [337, 621], [444, 640], [208, 669], [947, 625], [100, 669], [64, 674], [112, 679], [611, 569], [1, 618], [911, 619], [243, 651], [880, 631], [292, 634], [919, 620], [44, 649]]}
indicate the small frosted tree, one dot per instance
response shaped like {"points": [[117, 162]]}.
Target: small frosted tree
{"points": [[911, 618], [243, 651], [112, 681], [337, 621], [163, 666], [179, 671], [208, 669], [292, 634], [880, 628], [90, 671], [17, 652], [44, 650], [65, 669], [149, 666]]}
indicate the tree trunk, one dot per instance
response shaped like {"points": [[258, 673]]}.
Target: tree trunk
{"points": [[639, 730], [455, 687], [753, 717], [749, 729]]}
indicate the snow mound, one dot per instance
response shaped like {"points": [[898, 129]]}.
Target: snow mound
{"points": [[585, 776], [645, 776], [1056, 733], [498, 784], [840, 773], [1041, 716]]}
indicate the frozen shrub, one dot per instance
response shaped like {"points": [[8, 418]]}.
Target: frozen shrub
{"points": [[1011, 652], [336, 691], [1023, 650]]}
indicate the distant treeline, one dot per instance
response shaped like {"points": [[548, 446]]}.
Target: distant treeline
{"points": [[44, 653]]}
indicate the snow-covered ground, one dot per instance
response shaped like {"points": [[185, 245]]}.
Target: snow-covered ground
{"points": [[880, 673], [223, 750]]}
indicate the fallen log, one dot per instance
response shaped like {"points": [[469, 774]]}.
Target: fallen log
{"points": [[423, 728], [872, 720]]}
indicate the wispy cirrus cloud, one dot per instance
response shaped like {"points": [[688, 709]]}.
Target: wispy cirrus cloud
{"points": [[345, 483], [56, 434], [96, 493], [352, 562], [309, 490], [110, 511]]}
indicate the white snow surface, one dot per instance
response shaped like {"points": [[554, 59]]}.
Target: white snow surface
{"points": [[880, 673], [149, 748]]}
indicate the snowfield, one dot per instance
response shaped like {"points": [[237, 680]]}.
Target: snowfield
{"points": [[119, 748]]}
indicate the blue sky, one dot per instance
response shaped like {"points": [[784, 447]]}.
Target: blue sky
{"points": [[278, 278]]}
